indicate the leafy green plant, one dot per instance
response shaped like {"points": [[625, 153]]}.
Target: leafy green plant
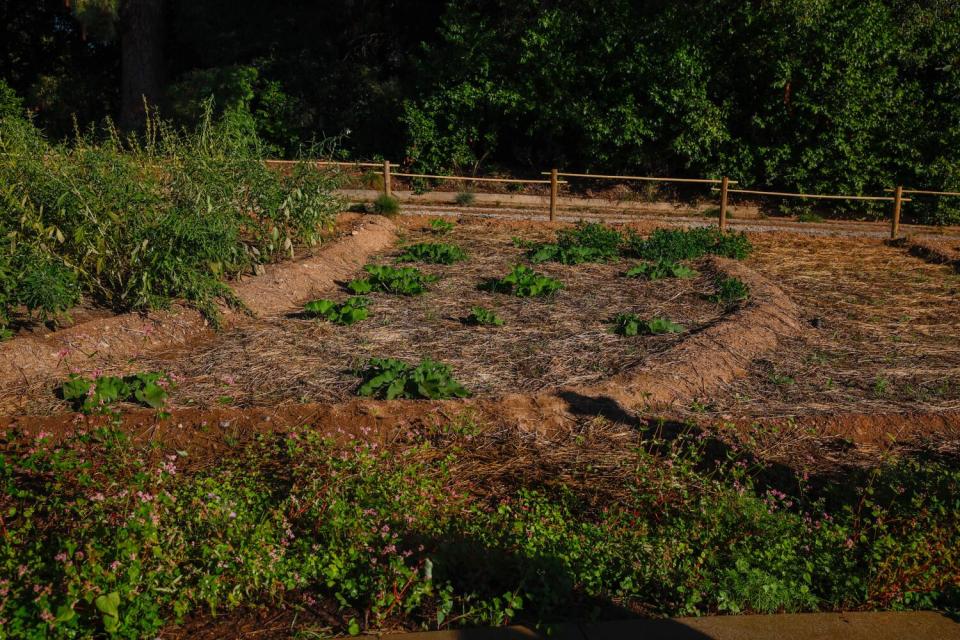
{"points": [[346, 313], [630, 324], [524, 282], [660, 269], [465, 198], [390, 378], [406, 281], [441, 226], [386, 205], [39, 283], [675, 245], [95, 395], [730, 291], [432, 253], [480, 316], [586, 242]]}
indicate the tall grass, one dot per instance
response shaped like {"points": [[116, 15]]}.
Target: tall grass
{"points": [[136, 222]]}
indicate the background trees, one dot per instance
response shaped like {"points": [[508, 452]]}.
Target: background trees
{"points": [[830, 95]]}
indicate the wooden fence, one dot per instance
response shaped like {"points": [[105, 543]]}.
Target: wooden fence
{"points": [[720, 185]]}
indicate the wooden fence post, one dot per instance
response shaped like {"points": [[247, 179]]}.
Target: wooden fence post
{"points": [[724, 185], [553, 194], [387, 188], [897, 203]]}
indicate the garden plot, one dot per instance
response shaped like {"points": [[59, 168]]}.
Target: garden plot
{"points": [[884, 333], [566, 338]]}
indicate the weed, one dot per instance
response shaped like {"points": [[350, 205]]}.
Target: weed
{"points": [[352, 311], [406, 281], [465, 198], [630, 324], [480, 316], [524, 282], [390, 378], [386, 205], [441, 226], [659, 270], [730, 291], [432, 253], [89, 396]]}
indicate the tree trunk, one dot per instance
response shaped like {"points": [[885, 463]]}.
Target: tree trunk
{"points": [[141, 59]]}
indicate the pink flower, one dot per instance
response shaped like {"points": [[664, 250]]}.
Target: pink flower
{"points": [[61, 557]]}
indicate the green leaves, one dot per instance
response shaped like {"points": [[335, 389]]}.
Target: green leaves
{"points": [[390, 379], [406, 281], [730, 291], [674, 245], [440, 226], [586, 242], [109, 606], [480, 316], [630, 324], [524, 282], [350, 312], [432, 253], [88, 396], [659, 270]]}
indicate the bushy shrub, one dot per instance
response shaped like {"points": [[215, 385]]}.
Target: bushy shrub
{"points": [[386, 205]]}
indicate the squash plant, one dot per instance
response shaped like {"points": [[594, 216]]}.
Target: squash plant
{"points": [[90, 395], [440, 226], [432, 253], [405, 281], [730, 291], [630, 324], [524, 282], [352, 311], [389, 378], [660, 269], [480, 316]]}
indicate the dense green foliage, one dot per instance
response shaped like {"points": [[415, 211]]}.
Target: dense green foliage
{"points": [[386, 205], [524, 282], [345, 313], [822, 96], [440, 226], [404, 281], [389, 378], [100, 533], [134, 224], [96, 395], [630, 324], [585, 242], [432, 253], [731, 291], [688, 244]]}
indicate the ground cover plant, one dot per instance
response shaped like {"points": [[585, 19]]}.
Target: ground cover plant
{"points": [[660, 269], [524, 282], [730, 291], [98, 394], [432, 253], [585, 242], [103, 535], [389, 378], [630, 324], [481, 316], [134, 223], [351, 311], [675, 245], [405, 281], [386, 205]]}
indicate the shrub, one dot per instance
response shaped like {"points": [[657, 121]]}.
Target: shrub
{"points": [[88, 396], [350, 312], [465, 198], [40, 283], [389, 378], [730, 291], [688, 244], [406, 281], [386, 205], [432, 253], [660, 269], [630, 324], [483, 317], [524, 282]]}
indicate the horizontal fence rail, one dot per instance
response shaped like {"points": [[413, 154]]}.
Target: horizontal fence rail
{"points": [[555, 181]]}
